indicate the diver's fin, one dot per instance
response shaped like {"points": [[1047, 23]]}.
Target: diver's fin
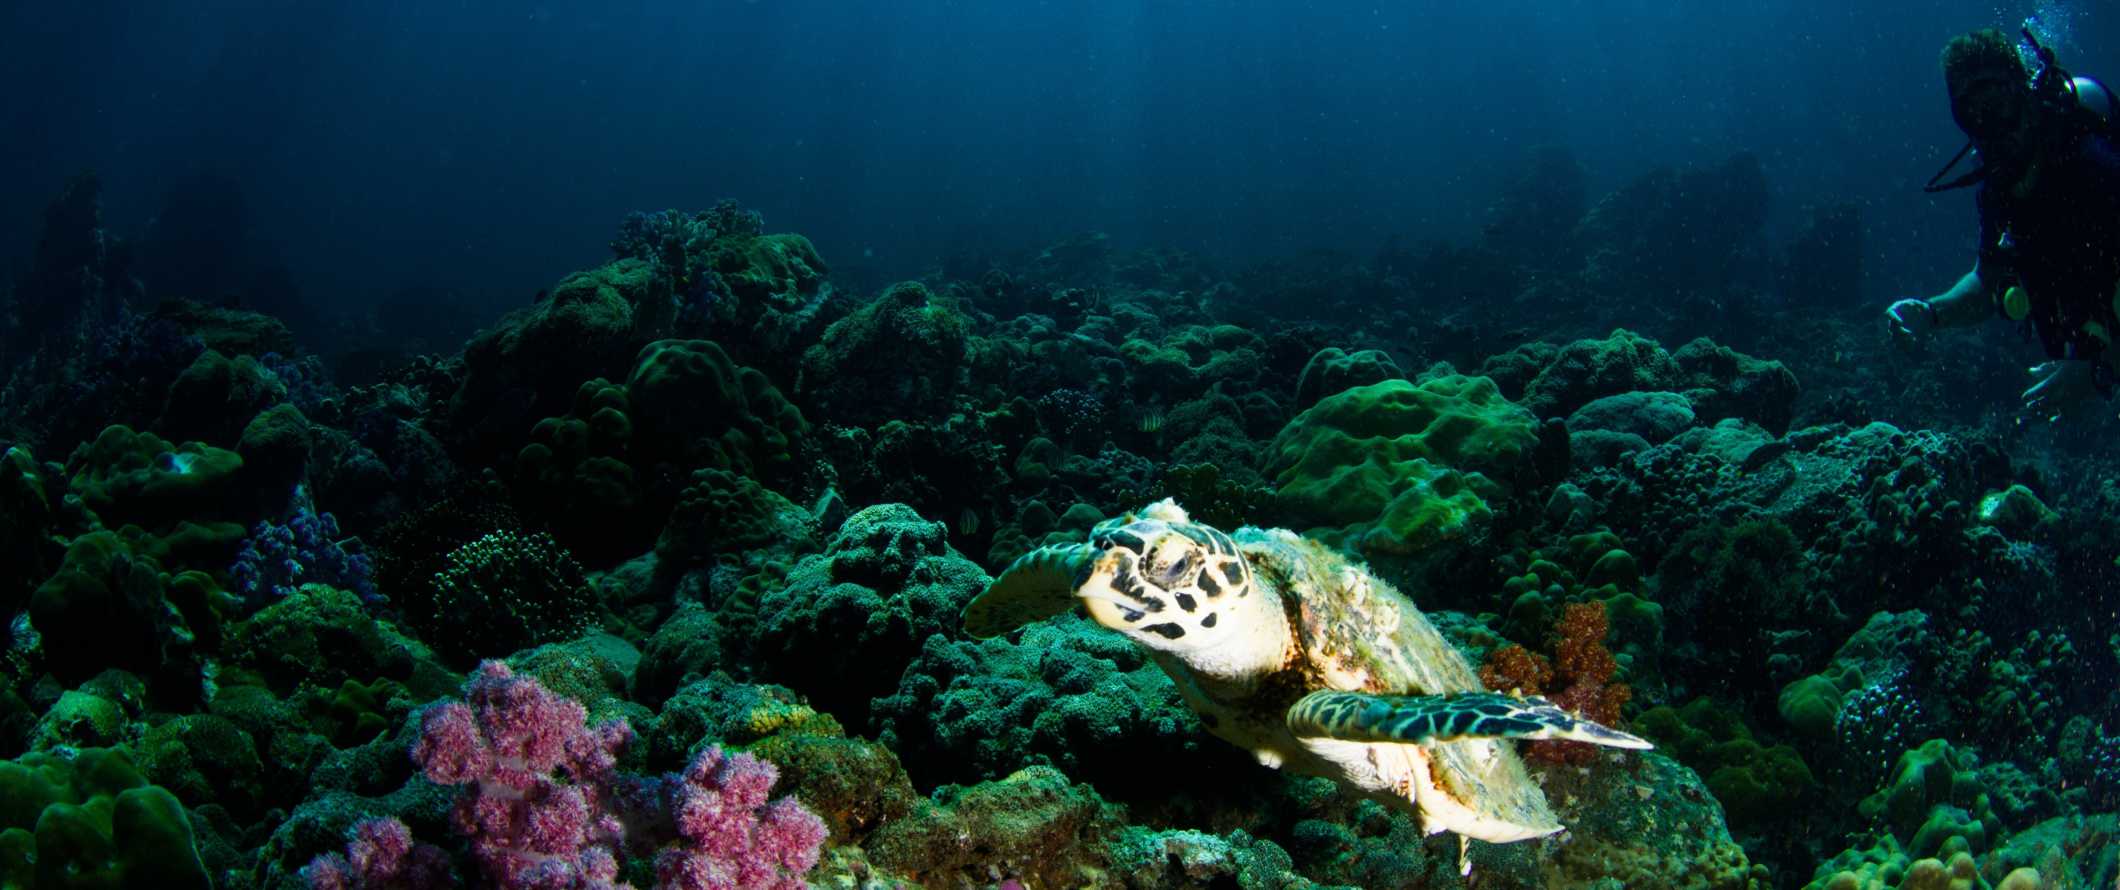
{"points": [[1038, 585], [1366, 717]]}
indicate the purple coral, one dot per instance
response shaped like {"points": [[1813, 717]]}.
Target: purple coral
{"points": [[529, 828], [737, 840], [546, 807], [307, 381], [381, 856], [277, 558]]}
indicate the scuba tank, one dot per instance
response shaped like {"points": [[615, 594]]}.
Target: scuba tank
{"points": [[2093, 100]]}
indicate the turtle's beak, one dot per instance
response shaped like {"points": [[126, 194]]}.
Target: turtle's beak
{"points": [[1107, 604]]}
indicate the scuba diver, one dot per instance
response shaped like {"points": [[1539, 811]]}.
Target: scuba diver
{"points": [[2049, 201]]}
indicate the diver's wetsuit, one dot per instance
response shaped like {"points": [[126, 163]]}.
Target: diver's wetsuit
{"points": [[2065, 245]]}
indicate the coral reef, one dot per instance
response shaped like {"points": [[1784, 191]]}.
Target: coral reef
{"points": [[278, 617]]}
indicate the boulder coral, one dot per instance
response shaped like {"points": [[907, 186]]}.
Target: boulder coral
{"points": [[1397, 467]]}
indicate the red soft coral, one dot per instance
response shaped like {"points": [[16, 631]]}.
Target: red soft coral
{"points": [[1579, 678], [1514, 668]]}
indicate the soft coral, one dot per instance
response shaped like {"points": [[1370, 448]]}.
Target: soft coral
{"points": [[529, 826], [736, 838], [547, 809], [1579, 677]]}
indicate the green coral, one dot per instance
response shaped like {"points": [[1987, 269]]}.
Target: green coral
{"points": [[1397, 467], [1585, 370], [1647, 825], [1188, 858], [685, 404], [1932, 777], [92, 822], [1188, 361], [321, 637], [694, 405], [1717, 381], [2018, 512], [529, 364], [208, 757], [214, 397], [848, 620], [103, 712], [780, 272], [1731, 590], [854, 784], [1334, 370], [1065, 693], [1591, 562], [586, 314], [503, 592], [1035, 825], [106, 608], [228, 330], [1212, 429], [1812, 704], [765, 295], [944, 469], [901, 355], [1756, 783], [574, 475], [275, 448], [353, 714], [1858, 708], [139, 478], [724, 518], [1593, 566]]}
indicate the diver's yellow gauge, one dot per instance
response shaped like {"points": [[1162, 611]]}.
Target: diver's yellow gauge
{"points": [[2016, 303]]}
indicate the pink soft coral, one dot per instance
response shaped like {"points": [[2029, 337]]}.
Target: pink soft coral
{"points": [[381, 856], [529, 827], [738, 841], [547, 809]]}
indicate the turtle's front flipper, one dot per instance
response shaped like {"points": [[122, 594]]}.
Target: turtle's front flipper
{"points": [[1038, 585], [1365, 717]]}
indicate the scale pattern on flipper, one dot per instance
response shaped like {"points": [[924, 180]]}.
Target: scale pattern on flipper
{"points": [[1362, 716], [1038, 585]]}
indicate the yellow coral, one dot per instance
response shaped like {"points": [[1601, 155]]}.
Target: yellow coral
{"points": [[771, 717], [2021, 879]]}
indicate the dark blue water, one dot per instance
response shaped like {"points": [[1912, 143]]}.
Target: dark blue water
{"points": [[482, 149]]}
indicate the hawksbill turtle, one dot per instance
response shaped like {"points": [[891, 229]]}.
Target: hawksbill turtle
{"points": [[1287, 649]]}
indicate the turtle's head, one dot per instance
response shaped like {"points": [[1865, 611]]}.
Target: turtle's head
{"points": [[1176, 586]]}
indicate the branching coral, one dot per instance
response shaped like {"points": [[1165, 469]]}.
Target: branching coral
{"points": [[502, 592]]}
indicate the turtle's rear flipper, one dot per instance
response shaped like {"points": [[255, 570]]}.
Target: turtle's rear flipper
{"points": [[1038, 585], [1364, 717]]}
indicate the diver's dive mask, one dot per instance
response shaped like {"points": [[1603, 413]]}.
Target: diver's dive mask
{"points": [[1990, 107]]}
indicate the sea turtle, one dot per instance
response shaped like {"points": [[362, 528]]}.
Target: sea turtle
{"points": [[1287, 649]]}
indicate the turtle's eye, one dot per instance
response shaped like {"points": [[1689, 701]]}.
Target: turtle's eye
{"points": [[1171, 574]]}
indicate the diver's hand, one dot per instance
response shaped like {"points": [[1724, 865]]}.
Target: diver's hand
{"points": [[2062, 384], [1911, 319]]}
